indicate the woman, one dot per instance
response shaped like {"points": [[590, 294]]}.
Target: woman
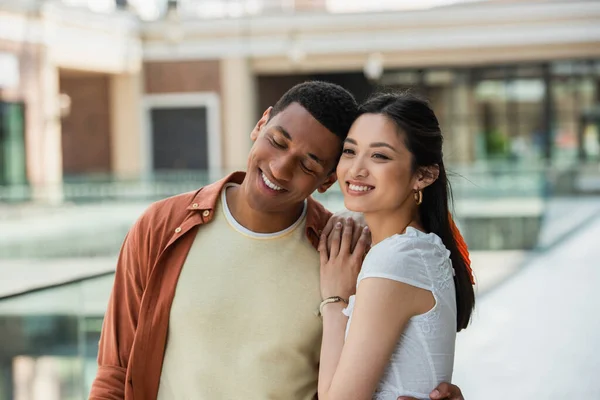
{"points": [[396, 336]]}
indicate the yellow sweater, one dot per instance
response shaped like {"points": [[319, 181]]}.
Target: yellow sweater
{"points": [[243, 321]]}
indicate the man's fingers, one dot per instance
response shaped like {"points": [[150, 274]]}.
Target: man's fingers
{"points": [[443, 391], [438, 395], [335, 237], [446, 391]]}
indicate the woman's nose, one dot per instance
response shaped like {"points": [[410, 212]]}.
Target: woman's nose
{"points": [[358, 168]]}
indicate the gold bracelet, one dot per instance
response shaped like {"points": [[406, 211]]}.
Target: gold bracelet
{"points": [[332, 299]]}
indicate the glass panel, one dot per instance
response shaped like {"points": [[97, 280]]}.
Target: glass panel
{"points": [[509, 107], [12, 144], [591, 141], [439, 88], [526, 98], [50, 340], [491, 99], [575, 95]]}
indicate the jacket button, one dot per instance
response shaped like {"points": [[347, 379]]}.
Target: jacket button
{"points": [[206, 213], [195, 205], [178, 229]]}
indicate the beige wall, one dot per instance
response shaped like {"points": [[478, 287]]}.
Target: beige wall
{"points": [[425, 58], [28, 56], [44, 144], [126, 128], [238, 100], [310, 5]]}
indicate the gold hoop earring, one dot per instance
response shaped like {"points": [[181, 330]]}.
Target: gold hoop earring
{"points": [[418, 197]]}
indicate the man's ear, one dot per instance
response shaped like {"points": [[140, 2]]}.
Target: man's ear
{"points": [[426, 176], [328, 182], [261, 122]]}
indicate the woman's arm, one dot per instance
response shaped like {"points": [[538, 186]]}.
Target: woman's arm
{"points": [[334, 328], [382, 309]]}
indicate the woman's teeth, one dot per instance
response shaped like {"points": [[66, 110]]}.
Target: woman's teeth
{"points": [[358, 188]]}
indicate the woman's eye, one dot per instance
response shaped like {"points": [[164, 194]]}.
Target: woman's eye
{"points": [[348, 151], [380, 156]]}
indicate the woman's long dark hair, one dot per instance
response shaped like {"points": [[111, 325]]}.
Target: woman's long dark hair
{"points": [[417, 122]]}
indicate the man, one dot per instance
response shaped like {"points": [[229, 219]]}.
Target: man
{"points": [[216, 290]]}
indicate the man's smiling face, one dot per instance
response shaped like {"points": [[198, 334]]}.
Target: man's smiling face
{"points": [[293, 155]]}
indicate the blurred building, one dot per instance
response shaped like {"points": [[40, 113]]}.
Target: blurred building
{"points": [[68, 77], [101, 93]]}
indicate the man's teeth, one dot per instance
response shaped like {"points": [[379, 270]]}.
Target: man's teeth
{"points": [[269, 183], [357, 188]]}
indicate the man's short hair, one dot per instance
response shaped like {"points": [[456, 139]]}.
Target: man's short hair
{"points": [[330, 104]]}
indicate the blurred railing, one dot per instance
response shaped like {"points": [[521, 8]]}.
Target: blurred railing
{"points": [[481, 180], [497, 205], [100, 188]]}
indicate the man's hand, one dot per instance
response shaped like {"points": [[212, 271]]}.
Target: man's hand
{"points": [[341, 216], [444, 391]]}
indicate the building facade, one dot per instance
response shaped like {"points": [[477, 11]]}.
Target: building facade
{"points": [[100, 97]]}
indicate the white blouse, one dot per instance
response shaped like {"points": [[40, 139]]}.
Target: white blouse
{"points": [[424, 355]]}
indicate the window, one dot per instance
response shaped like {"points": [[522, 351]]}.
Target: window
{"points": [[12, 144]]}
